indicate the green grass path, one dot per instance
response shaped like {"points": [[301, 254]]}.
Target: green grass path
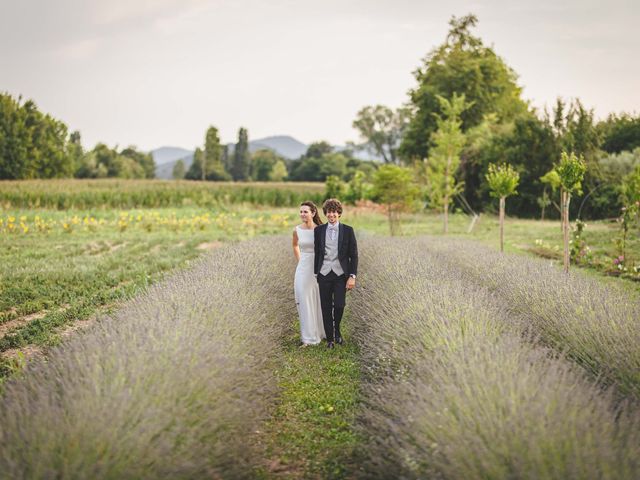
{"points": [[311, 434]]}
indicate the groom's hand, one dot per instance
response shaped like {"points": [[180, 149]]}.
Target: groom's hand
{"points": [[351, 283]]}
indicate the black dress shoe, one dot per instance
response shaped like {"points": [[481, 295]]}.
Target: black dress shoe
{"points": [[330, 345], [339, 340]]}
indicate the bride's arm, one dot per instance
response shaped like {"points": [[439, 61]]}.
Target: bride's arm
{"points": [[296, 247]]}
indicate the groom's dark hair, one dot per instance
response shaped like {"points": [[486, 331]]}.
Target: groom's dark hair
{"points": [[332, 205]]}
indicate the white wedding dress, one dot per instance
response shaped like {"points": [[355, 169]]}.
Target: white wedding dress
{"points": [[306, 291]]}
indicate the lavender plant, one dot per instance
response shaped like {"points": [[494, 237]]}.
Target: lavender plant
{"points": [[453, 390], [172, 386], [595, 324]]}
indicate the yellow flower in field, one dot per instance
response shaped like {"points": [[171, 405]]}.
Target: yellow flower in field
{"points": [[139, 218], [23, 218], [12, 219]]}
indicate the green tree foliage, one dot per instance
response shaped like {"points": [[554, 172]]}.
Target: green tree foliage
{"points": [[334, 187], [444, 157], [32, 144], [214, 168], [318, 149], [241, 168], [631, 187], [464, 65], [382, 129], [503, 181], [570, 170], [358, 188], [102, 162], [317, 169], [145, 160], [263, 162], [179, 170], [394, 187], [620, 133], [227, 159], [75, 150], [527, 144], [575, 130], [278, 172], [195, 170]]}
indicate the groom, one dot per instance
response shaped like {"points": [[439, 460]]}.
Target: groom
{"points": [[335, 266]]}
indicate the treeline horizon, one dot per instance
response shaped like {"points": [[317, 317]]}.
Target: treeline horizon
{"points": [[499, 127]]}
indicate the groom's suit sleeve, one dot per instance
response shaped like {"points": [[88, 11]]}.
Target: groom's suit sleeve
{"points": [[353, 253]]}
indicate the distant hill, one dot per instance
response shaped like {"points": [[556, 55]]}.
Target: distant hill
{"points": [[284, 145], [164, 155]]}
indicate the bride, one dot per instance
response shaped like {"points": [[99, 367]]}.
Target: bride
{"points": [[306, 289]]}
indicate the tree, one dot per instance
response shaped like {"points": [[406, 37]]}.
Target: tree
{"points": [[32, 144], [571, 171], [527, 144], [144, 160], [550, 179], [241, 157], [227, 160], [357, 188], [503, 181], [178, 170], [278, 172], [262, 164], [103, 162], [620, 133], [464, 65], [631, 186], [214, 168], [334, 187], [75, 150], [318, 149], [314, 169], [195, 170], [394, 186], [382, 130], [444, 158]]}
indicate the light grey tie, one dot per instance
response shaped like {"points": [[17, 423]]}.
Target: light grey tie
{"points": [[332, 232]]}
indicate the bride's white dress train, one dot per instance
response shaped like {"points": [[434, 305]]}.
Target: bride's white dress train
{"points": [[306, 291]]}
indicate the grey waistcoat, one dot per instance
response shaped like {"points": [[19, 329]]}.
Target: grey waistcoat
{"points": [[331, 254]]}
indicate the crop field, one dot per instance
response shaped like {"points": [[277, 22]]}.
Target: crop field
{"points": [[126, 194], [153, 340]]}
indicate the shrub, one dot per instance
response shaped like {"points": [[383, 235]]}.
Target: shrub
{"points": [[453, 390], [172, 386]]}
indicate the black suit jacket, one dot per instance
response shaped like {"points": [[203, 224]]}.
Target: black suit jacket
{"points": [[347, 248]]}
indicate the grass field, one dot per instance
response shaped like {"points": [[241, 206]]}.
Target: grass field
{"points": [[58, 268]]}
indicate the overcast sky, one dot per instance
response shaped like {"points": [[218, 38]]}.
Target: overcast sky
{"points": [[158, 72]]}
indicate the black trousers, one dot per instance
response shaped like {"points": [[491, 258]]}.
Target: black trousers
{"points": [[333, 290]]}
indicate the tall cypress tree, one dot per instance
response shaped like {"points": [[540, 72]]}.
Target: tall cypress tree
{"points": [[241, 157], [214, 168], [195, 170]]}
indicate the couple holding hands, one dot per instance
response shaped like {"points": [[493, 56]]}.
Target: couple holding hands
{"points": [[327, 257]]}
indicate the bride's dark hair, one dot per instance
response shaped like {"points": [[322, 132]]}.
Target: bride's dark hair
{"points": [[314, 211]]}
